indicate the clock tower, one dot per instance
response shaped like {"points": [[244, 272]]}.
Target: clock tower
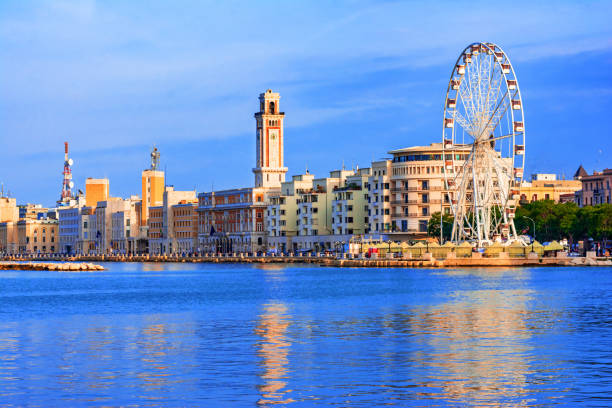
{"points": [[269, 162]]}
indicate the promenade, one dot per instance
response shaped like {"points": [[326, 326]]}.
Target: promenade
{"points": [[424, 261]]}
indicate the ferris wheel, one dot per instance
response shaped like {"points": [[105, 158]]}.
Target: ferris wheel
{"points": [[483, 145]]}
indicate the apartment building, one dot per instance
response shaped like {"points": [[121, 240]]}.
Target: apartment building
{"points": [[379, 198], [596, 187], [350, 205], [314, 213], [282, 212]]}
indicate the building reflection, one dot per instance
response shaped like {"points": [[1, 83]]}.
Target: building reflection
{"points": [[477, 346], [273, 349]]}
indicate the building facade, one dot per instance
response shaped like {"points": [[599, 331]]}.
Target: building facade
{"points": [[37, 236], [68, 221], [379, 198], [96, 190], [282, 213], [9, 215], [185, 227], [596, 188], [155, 230], [547, 187]]}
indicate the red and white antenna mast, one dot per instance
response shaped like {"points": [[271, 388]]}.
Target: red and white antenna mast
{"points": [[67, 183]]}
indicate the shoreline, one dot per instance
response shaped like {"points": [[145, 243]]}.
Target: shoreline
{"points": [[426, 261]]}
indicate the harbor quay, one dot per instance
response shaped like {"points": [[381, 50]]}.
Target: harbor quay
{"points": [[439, 257]]}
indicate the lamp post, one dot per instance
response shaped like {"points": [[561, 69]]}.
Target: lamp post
{"points": [[534, 231]]}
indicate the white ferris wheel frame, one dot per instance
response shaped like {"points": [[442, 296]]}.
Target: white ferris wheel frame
{"points": [[486, 213]]}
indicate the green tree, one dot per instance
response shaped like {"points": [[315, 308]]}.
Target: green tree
{"points": [[433, 227]]}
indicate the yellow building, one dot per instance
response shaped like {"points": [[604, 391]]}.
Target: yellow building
{"points": [[547, 187], [96, 190], [37, 236], [152, 192]]}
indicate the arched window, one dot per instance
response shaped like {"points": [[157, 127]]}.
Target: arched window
{"points": [[259, 241], [272, 110]]}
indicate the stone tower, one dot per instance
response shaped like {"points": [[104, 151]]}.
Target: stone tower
{"points": [[269, 162]]}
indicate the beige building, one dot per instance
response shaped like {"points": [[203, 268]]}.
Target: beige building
{"points": [[547, 187], [417, 189], [37, 236], [124, 226], [9, 215], [169, 243], [103, 222], [314, 213], [185, 226], [350, 206], [596, 188], [282, 212]]}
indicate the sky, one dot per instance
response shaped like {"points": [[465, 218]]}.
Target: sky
{"points": [[356, 78]]}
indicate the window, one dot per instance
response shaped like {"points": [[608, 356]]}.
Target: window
{"points": [[422, 225], [425, 211]]}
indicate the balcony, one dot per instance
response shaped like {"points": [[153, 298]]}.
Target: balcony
{"points": [[402, 215], [428, 188], [403, 202]]}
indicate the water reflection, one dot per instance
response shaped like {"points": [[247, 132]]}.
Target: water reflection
{"points": [[479, 344], [273, 349]]}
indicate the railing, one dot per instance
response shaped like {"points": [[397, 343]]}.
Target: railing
{"points": [[430, 188], [409, 215]]}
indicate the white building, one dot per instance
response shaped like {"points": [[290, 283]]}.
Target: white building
{"points": [[68, 219], [379, 198]]}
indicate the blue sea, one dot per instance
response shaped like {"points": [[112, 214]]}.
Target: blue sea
{"points": [[241, 335]]}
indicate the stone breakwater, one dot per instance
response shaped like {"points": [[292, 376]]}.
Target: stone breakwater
{"points": [[50, 266]]}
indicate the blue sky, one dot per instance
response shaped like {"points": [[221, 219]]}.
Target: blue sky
{"points": [[357, 78]]}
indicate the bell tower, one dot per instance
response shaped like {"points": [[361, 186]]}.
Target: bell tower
{"points": [[269, 161]]}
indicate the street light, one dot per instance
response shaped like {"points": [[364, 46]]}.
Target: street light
{"points": [[534, 231]]}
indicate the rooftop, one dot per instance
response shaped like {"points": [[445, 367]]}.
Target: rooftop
{"points": [[432, 147]]}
